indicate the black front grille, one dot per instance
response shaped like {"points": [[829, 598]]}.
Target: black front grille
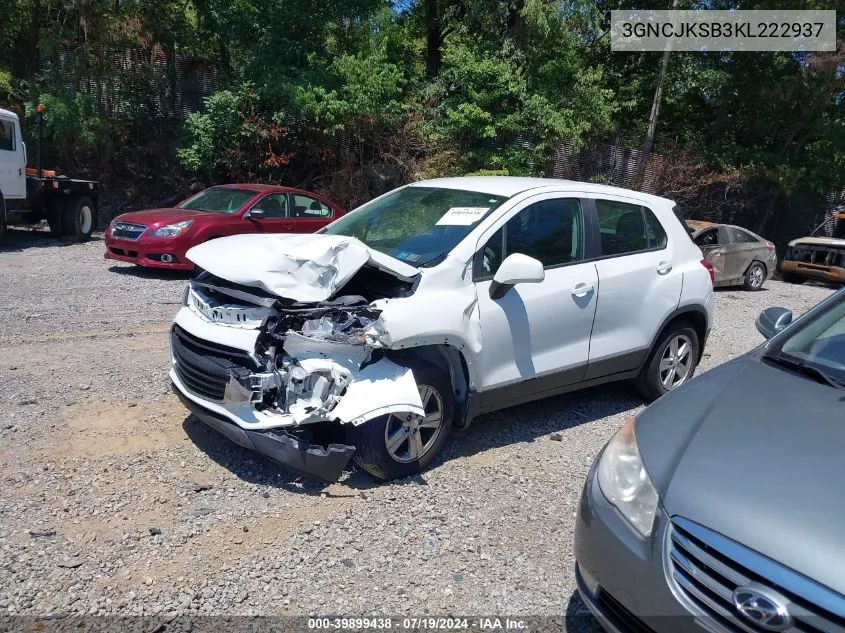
{"points": [[707, 568], [205, 367], [128, 230]]}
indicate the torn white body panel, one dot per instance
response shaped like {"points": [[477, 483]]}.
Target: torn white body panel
{"points": [[321, 381], [301, 267]]}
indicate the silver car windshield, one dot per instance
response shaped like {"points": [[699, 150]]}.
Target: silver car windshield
{"points": [[820, 342], [417, 225]]}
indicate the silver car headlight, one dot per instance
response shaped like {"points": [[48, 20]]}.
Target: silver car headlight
{"points": [[172, 230], [625, 483]]}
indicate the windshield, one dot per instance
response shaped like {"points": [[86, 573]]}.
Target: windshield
{"points": [[820, 342], [417, 225], [219, 200]]}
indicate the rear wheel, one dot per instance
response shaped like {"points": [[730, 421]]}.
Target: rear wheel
{"points": [[792, 278], [754, 276], [79, 218], [671, 363], [397, 445]]}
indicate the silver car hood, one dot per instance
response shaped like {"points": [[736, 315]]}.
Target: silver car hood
{"points": [[755, 453], [303, 267]]}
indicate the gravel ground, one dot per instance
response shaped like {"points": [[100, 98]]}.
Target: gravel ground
{"points": [[114, 501]]}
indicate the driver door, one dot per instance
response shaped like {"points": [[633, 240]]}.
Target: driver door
{"points": [[536, 337], [275, 219]]}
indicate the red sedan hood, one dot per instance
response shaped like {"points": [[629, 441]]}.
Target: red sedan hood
{"points": [[161, 217]]}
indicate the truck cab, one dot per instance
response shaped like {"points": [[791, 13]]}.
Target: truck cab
{"points": [[12, 157]]}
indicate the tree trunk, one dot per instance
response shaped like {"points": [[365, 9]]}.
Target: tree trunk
{"points": [[433, 39], [648, 143]]}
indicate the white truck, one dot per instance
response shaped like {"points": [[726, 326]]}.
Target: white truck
{"points": [[29, 195]]}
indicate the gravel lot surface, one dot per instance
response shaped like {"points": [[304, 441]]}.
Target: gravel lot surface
{"points": [[114, 501]]}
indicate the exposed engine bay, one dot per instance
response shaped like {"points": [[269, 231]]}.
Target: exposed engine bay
{"points": [[308, 357]]}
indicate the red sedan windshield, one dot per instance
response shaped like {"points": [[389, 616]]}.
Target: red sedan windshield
{"points": [[219, 200]]}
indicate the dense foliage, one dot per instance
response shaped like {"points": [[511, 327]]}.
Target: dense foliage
{"points": [[355, 96]]}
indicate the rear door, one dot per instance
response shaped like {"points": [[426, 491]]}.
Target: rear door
{"points": [[308, 214], [537, 336], [639, 284], [744, 249], [275, 218]]}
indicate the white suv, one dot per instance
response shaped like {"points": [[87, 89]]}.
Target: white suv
{"points": [[430, 305]]}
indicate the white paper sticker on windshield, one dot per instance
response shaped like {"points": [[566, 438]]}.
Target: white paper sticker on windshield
{"points": [[462, 216]]}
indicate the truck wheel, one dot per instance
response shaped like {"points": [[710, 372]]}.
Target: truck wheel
{"points": [[79, 218], [55, 213], [391, 446]]}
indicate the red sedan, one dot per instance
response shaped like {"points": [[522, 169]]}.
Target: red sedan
{"points": [[158, 238]]}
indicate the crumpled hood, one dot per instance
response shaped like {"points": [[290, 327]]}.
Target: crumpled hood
{"points": [[301, 267], [755, 453], [818, 241]]}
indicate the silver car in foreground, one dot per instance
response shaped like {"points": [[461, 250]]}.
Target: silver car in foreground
{"points": [[739, 257], [720, 508]]}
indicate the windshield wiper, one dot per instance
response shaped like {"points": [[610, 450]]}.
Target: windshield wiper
{"points": [[812, 371]]}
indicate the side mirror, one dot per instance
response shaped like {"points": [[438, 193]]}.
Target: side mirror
{"points": [[773, 320], [516, 269], [255, 214]]}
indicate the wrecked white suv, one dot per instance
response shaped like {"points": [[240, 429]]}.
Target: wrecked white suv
{"points": [[430, 305]]}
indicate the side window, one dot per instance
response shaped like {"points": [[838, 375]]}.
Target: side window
{"points": [[623, 227], [275, 205], [307, 207], [7, 136], [551, 231], [738, 236], [710, 237], [654, 232]]}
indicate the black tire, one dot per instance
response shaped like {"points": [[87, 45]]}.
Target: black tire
{"points": [[650, 382], [79, 218], [792, 278], [55, 216], [370, 438], [755, 277]]}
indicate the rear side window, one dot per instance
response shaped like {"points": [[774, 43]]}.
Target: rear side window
{"points": [[628, 228], [306, 207], [551, 231], [7, 136], [738, 236]]}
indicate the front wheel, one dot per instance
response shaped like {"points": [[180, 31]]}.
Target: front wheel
{"points": [[754, 277], [672, 362], [398, 445]]}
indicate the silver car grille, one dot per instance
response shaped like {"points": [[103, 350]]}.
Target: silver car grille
{"points": [[128, 230], [707, 568]]}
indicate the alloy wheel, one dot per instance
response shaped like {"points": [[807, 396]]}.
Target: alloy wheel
{"points": [[756, 276], [676, 362], [407, 440]]}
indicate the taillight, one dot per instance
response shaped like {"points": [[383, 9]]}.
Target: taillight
{"points": [[770, 246], [710, 270]]}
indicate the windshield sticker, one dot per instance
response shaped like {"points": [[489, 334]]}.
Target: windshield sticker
{"points": [[462, 216], [407, 256]]}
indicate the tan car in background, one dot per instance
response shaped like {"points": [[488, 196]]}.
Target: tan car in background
{"points": [[739, 257], [817, 257]]}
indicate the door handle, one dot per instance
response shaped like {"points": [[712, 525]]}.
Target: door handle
{"points": [[582, 289], [663, 268], [718, 253]]}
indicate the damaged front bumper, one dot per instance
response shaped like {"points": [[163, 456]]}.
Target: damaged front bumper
{"points": [[225, 382], [327, 462]]}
